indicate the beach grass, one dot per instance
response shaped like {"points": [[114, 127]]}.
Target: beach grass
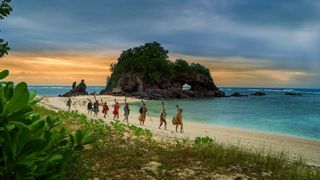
{"points": [[121, 151]]}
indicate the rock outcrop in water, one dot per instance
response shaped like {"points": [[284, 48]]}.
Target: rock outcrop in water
{"points": [[77, 90], [237, 94], [258, 93], [146, 72], [293, 94]]}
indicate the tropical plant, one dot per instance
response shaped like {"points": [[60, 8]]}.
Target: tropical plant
{"points": [[32, 147], [5, 10], [203, 141]]}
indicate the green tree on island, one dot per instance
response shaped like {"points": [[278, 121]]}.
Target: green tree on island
{"points": [[152, 60]]}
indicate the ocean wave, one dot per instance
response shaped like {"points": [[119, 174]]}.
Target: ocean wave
{"points": [[289, 90], [253, 89], [280, 90], [48, 87], [316, 93], [273, 90]]}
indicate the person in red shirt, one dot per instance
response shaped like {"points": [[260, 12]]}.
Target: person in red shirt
{"points": [[105, 109], [116, 111]]}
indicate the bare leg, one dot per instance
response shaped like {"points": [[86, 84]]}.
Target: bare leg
{"points": [[177, 128], [160, 124], [181, 130], [165, 125]]}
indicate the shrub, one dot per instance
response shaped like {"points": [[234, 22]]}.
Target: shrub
{"points": [[203, 141], [181, 65], [32, 146]]}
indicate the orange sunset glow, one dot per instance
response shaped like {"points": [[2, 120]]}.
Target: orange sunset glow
{"points": [[63, 69]]}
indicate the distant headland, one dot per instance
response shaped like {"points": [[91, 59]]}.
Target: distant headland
{"points": [[146, 72]]}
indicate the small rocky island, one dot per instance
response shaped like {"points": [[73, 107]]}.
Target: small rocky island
{"points": [[146, 72], [77, 90]]}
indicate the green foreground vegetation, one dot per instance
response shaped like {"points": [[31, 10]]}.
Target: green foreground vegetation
{"points": [[128, 152]]}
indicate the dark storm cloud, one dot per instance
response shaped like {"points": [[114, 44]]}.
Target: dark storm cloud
{"points": [[284, 32]]}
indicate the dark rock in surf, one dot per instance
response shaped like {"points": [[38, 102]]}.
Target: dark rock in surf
{"points": [[258, 93], [78, 90], [237, 94], [293, 94]]}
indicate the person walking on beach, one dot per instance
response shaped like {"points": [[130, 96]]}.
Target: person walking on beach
{"points": [[95, 108], [126, 110], [89, 107], [116, 111], [163, 117], [177, 119], [105, 109], [143, 113], [69, 102]]}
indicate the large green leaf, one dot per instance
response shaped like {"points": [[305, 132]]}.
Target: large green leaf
{"points": [[55, 158], [32, 99], [8, 90], [4, 74], [78, 137], [34, 146], [37, 125], [19, 124], [20, 116], [20, 98], [18, 142], [2, 102]]}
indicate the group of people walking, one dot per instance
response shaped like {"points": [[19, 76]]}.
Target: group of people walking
{"points": [[93, 107]]}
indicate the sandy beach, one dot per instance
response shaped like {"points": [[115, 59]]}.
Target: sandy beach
{"points": [[256, 141]]}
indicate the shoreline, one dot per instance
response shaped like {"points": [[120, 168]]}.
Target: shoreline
{"points": [[254, 131], [251, 140]]}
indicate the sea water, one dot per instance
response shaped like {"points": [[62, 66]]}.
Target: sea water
{"points": [[275, 113], [60, 90]]}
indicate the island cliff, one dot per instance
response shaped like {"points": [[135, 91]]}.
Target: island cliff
{"points": [[146, 72]]}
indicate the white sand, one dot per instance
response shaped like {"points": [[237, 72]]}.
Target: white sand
{"points": [[309, 149]]}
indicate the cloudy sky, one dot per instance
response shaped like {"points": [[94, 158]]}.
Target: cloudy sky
{"points": [[265, 43]]}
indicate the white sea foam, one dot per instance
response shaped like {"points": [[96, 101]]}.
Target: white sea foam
{"points": [[253, 89], [273, 90]]}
